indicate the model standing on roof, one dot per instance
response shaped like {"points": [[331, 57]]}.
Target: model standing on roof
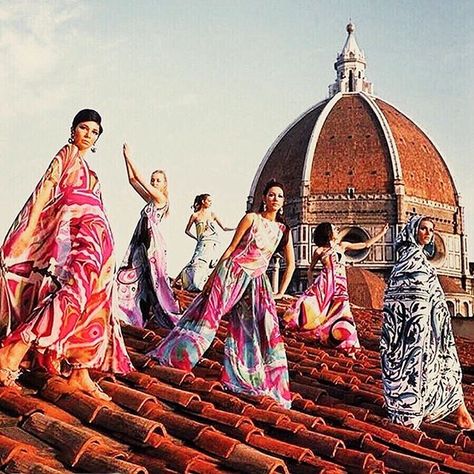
{"points": [[324, 308], [255, 359], [143, 287], [56, 272], [421, 373], [194, 275]]}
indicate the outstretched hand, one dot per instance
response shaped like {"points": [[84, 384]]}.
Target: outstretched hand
{"points": [[126, 151]]}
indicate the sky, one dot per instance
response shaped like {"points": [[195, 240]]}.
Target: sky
{"points": [[202, 88]]}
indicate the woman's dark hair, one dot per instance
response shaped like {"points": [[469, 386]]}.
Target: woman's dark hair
{"points": [[273, 183], [323, 234], [87, 115], [198, 201]]}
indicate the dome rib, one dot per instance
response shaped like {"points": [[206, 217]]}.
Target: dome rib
{"points": [[318, 126], [276, 142], [390, 140], [420, 158]]}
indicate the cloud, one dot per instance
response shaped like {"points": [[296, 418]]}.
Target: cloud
{"points": [[34, 40]]}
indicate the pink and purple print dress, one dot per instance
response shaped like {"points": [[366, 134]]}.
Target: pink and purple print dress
{"points": [[255, 359], [323, 309], [56, 294], [143, 289]]}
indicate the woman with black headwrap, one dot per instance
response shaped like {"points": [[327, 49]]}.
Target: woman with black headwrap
{"points": [[56, 273]]}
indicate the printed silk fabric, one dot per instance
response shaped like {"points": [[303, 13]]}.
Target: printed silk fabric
{"points": [[421, 373], [254, 354], [323, 309], [143, 288], [57, 293], [197, 271]]}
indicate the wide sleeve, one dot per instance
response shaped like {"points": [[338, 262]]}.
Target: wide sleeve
{"points": [[26, 246]]}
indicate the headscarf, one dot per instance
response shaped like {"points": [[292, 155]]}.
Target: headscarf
{"points": [[412, 272]]}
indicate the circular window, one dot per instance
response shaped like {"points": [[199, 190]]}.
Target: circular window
{"points": [[355, 235], [439, 254]]}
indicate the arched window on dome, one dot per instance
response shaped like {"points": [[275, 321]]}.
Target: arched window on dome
{"points": [[465, 308], [450, 307], [355, 234]]}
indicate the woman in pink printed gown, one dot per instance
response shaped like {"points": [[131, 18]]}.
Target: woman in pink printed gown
{"points": [[254, 359], [323, 309], [56, 273], [144, 294]]}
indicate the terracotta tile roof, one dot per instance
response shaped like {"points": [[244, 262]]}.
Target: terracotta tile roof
{"points": [[425, 173], [351, 151], [365, 287], [451, 285], [163, 420]]}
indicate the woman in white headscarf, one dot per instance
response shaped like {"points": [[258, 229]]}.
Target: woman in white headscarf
{"points": [[421, 373]]}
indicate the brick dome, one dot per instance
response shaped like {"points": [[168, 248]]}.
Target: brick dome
{"points": [[357, 161], [357, 142]]}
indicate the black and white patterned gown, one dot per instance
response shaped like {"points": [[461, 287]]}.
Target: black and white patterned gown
{"points": [[421, 373]]}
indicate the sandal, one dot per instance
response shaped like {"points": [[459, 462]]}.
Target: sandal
{"points": [[8, 377]]}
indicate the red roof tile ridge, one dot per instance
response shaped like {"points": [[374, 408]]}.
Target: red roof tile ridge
{"points": [[168, 393], [353, 458], [398, 461], [69, 440], [128, 397], [10, 448], [101, 460], [24, 405], [249, 460]]}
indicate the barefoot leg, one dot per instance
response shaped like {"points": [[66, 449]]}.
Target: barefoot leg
{"points": [[463, 418], [81, 380], [10, 359]]}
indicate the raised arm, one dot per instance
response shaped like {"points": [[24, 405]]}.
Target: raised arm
{"points": [[219, 223], [141, 186], [190, 223], [367, 244], [289, 256]]}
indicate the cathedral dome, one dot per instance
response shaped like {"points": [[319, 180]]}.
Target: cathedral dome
{"points": [[357, 161], [358, 144]]}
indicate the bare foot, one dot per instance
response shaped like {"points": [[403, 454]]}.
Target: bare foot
{"points": [[93, 390], [80, 380], [464, 419]]}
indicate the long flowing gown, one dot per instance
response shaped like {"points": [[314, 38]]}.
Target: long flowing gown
{"points": [[323, 309], [57, 293], [143, 289], [254, 357], [421, 373], [197, 271]]}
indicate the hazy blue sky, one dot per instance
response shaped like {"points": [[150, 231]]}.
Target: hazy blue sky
{"points": [[202, 88]]}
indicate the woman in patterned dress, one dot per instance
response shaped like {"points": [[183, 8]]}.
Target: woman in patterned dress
{"points": [[323, 309], [143, 288], [421, 373], [194, 275], [254, 357], [57, 272]]}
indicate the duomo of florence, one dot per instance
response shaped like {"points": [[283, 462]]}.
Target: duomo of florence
{"points": [[355, 160]]}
